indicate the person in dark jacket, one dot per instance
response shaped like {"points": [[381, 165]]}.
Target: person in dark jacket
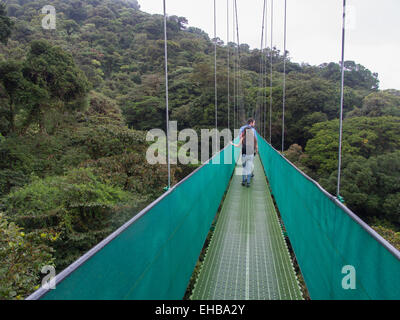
{"points": [[248, 141]]}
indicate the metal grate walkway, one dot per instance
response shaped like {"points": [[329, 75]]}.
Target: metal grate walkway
{"points": [[247, 257]]}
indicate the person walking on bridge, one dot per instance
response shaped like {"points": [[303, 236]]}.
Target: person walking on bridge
{"points": [[248, 141], [250, 123]]}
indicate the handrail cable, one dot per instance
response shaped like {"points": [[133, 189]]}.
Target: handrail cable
{"points": [[227, 45], [271, 54], [166, 92], [240, 92], [341, 102], [284, 81], [261, 81], [265, 70], [215, 76], [234, 69]]}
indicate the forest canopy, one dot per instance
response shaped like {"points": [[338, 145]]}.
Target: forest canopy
{"points": [[75, 104]]}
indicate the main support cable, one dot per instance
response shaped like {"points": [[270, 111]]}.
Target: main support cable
{"points": [[341, 101], [166, 92], [265, 72], [234, 69], [271, 54], [215, 76], [227, 43], [238, 53], [284, 81], [259, 110]]}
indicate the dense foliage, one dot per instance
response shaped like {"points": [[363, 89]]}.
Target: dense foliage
{"points": [[75, 103], [21, 257]]}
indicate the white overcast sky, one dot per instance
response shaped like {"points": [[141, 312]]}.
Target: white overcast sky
{"points": [[313, 29]]}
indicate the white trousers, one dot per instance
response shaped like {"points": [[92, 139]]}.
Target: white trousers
{"points": [[248, 164]]}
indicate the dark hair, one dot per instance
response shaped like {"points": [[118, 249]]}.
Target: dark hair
{"points": [[250, 121]]}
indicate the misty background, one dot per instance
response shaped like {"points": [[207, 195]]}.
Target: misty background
{"points": [[313, 29]]}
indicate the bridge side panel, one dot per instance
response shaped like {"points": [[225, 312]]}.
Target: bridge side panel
{"points": [[328, 239], [152, 257]]}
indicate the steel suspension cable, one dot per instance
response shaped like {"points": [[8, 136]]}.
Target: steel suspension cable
{"points": [[262, 117], [234, 72], [215, 75], [227, 44], [284, 81], [271, 54], [265, 71], [261, 81], [238, 53], [341, 101], [166, 92]]}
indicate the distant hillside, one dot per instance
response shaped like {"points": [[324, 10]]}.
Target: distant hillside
{"points": [[76, 102]]}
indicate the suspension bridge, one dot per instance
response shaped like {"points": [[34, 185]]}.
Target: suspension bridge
{"points": [[154, 254]]}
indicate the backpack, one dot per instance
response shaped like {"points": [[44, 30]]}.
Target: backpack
{"points": [[248, 146]]}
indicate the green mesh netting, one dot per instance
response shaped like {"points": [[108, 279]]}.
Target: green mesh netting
{"points": [[154, 257], [247, 258], [326, 238]]}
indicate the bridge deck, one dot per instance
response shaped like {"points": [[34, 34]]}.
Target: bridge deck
{"points": [[247, 257]]}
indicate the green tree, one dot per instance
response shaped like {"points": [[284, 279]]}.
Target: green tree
{"points": [[356, 75], [22, 258], [71, 27], [53, 70], [377, 104], [12, 82], [6, 25], [77, 206], [371, 187], [361, 136], [133, 4], [146, 114]]}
